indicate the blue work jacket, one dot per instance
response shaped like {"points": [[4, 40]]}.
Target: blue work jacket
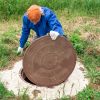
{"points": [[48, 22]]}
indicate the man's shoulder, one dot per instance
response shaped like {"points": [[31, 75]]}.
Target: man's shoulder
{"points": [[25, 18], [47, 11], [45, 8]]}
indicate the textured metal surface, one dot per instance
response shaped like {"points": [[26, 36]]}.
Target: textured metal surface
{"points": [[49, 63]]}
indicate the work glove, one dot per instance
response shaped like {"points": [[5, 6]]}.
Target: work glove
{"points": [[20, 50], [54, 35]]}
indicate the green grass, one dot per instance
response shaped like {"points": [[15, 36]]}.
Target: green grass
{"points": [[8, 46], [88, 94], [9, 95], [90, 59], [15, 8], [65, 98], [78, 44], [92, 63], [4, 93]]}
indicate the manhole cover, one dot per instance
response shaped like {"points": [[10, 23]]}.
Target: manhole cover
{"points": [[49, 63]]}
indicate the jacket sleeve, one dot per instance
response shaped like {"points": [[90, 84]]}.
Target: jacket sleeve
{"points": [[25, 32], [54, 23]]}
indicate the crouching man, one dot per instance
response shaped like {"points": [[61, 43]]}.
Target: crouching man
{"points": [[42, 20]]}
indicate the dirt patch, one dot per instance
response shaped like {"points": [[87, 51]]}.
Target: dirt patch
{"points": [[5, 26], [93, 51], [78, 24], [93, 37], [98, 68], [95, 86]]}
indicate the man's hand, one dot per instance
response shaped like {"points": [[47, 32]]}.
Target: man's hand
{"points": [[54, 35], [20, 50]]}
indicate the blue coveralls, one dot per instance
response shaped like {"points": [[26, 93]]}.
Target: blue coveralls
{"points": [[48, 22]]}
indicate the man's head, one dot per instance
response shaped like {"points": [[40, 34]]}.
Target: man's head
{"points": [[34, 13]]}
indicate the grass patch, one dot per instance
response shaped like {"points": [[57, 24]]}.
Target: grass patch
{"points": [[9, 95], [78, 44], [23, 95], [88, 94], [8, 46], [65, 98], [16, 7], [4, 93], [92, 63], [90, 59]]}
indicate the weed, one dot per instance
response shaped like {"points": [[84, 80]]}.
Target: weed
{"points": [[95, 76], [4, 93], [23, 95], [78, 44], [91, 60], [65, 98], [88, 94]]}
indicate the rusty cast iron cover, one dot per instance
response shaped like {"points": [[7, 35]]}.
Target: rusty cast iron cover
{"points": [[49, 63]]}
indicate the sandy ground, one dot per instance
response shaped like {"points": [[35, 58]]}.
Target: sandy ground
{"points": [[75, 83]]}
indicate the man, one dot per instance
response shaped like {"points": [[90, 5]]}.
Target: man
{"points": [[42, 20]]}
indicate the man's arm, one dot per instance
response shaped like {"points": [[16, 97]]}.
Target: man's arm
{"points": [[54, 23], [24, 36], [25, 32]]}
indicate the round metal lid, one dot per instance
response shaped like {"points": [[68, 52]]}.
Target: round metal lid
{"points": [[49, 62]]}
